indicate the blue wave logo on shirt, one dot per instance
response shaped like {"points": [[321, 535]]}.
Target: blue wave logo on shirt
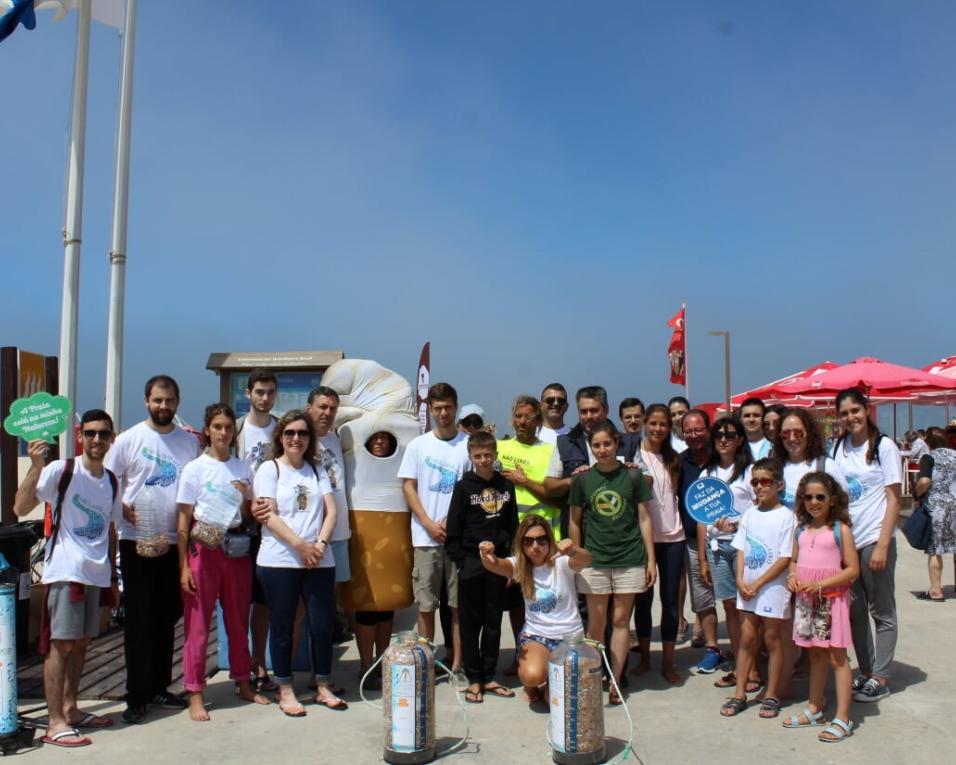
{"points": [[787, 499], [545, 601], [757, 553], [168, 471], [854, 487], [446, 483], [95, 522]]}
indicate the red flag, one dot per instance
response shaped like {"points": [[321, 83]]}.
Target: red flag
{"points": [[677, 350]]}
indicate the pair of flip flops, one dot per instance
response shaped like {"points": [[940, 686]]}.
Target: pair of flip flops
{"points": [[926, 596]]}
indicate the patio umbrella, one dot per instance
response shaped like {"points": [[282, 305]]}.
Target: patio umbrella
{"points": [[770, 392], [945, 367], [879, 379]]}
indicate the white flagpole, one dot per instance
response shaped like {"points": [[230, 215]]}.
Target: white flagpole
{"points": [[686, 355], [73, 227], [114, 342]]}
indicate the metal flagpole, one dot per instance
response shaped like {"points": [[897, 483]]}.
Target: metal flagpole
{"points": [[114, 343], [686, 365], [72, 229]]}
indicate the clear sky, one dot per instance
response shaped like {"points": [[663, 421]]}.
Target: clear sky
{"points": [[534, 187]]}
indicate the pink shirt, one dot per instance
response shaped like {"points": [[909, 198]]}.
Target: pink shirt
{"points": [[663, 507]]}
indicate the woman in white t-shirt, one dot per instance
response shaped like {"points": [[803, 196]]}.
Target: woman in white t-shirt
{"points": [[213, 495], [663, 468], [730, 461], [544, 569], [871, 464], [798, 444], [295, 505]]}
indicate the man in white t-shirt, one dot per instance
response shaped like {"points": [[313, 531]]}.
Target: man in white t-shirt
{"points": [[432, 464], [253, 444], [148, 459], [79, 564], [554, 404], [752, 411]]}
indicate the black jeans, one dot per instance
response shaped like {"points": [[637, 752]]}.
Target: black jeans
{"points": [[284, 588], [481, 602], [153, 602], [670, 568]]}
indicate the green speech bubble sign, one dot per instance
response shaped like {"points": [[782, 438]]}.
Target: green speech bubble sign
{"points": [[41, 416]]}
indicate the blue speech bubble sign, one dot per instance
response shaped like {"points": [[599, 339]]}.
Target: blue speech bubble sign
{"points": [[708, 499]]}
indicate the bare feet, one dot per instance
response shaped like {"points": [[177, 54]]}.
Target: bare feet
{"points": [[641, 667], [533, 694], [197, 708], [246, 692], [670, 674]]}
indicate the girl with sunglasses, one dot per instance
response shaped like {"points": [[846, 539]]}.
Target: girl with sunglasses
{"points": [[544, 570], [730, 460], [799, 445], [823, 566], [295, 506]]}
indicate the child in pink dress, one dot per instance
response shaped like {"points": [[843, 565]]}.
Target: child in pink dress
{"points": [[823, 565]]}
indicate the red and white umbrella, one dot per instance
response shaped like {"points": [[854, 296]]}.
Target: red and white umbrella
{"points": [[881, 380], [944, 367]]}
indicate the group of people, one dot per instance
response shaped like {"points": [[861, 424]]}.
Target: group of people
{"points": [[565, 528]]}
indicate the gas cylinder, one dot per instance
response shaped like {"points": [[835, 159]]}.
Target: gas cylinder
{"points": [[576, 729], [408, 697], [8, 649]]}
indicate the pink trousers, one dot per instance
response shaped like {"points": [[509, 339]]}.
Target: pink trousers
{"points": [[230, 581]]}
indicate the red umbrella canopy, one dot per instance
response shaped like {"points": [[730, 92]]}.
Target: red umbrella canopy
{"points": [[773, 393], [945, 367], [876, 377]]}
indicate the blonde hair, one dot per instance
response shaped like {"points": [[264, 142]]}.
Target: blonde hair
{"points": [[523, 568]]}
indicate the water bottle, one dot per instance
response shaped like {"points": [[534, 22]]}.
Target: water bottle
{"points": [[9, 580], [217, 509], [151, 538], [576, 728]]}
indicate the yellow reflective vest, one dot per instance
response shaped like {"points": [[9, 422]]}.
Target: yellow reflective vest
{"points": [[533, 459]]}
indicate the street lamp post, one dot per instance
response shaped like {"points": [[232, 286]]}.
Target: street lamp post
{"points": [[726, 335]]}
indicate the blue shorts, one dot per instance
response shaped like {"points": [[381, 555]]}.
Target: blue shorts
{"points": [[526, 637], [723, 569], [340, 549]]}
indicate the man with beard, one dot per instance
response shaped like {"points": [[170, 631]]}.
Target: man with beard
{"points": [[151, 454], [631, 412], [554, 403]]}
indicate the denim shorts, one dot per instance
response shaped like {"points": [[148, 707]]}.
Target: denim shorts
{"points": [[526, 637], [723, 569]]}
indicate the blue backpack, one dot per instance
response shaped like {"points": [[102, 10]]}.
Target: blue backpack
{"points": [[837, 534]]}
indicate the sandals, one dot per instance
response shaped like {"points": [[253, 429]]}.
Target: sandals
{"points": [[60, 739], [926, 596], [733, 706], [332, 702], [614, 699], [498, 690], [93, 721], [769, 708], [727, 681], [836, 735], [300, 710], [264, 683], [814, 720], [474, 697]]}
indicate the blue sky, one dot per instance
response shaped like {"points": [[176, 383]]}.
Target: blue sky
{"points": [[535, 187]]}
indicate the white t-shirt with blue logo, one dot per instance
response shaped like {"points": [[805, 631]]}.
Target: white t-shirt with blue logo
{"points": [[867, 485], [436, 465], [765, 536], [554, 611], [794, 471], [81, 552]]}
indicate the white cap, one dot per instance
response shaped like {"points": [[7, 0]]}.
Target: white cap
{"points": [[469, 409]]}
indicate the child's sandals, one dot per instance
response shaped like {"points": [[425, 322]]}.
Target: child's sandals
{"points": [[834, 734], [769, 708], [733, 706], [810, 720]]}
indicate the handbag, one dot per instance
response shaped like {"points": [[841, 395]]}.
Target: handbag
{"points": [[918, 528], [236, 543]]}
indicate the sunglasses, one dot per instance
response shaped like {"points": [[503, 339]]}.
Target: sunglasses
{"points": [[531, 541], [94, 434], [290, 433], [821, 498], [726, 435], [755, 482], [787, 434], [556, 401]]}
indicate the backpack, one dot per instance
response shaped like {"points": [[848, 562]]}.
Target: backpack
{"points": [[61, 487], [240, 424]]}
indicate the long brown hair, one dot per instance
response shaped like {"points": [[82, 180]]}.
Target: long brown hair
{"points": [[840, 510], [670, 457], [292, 416], [524, 569]]}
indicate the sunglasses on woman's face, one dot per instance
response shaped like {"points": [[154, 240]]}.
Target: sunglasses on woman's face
{"points": [[290, 433], [725, 435], [538, 540], [821, 498]]}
